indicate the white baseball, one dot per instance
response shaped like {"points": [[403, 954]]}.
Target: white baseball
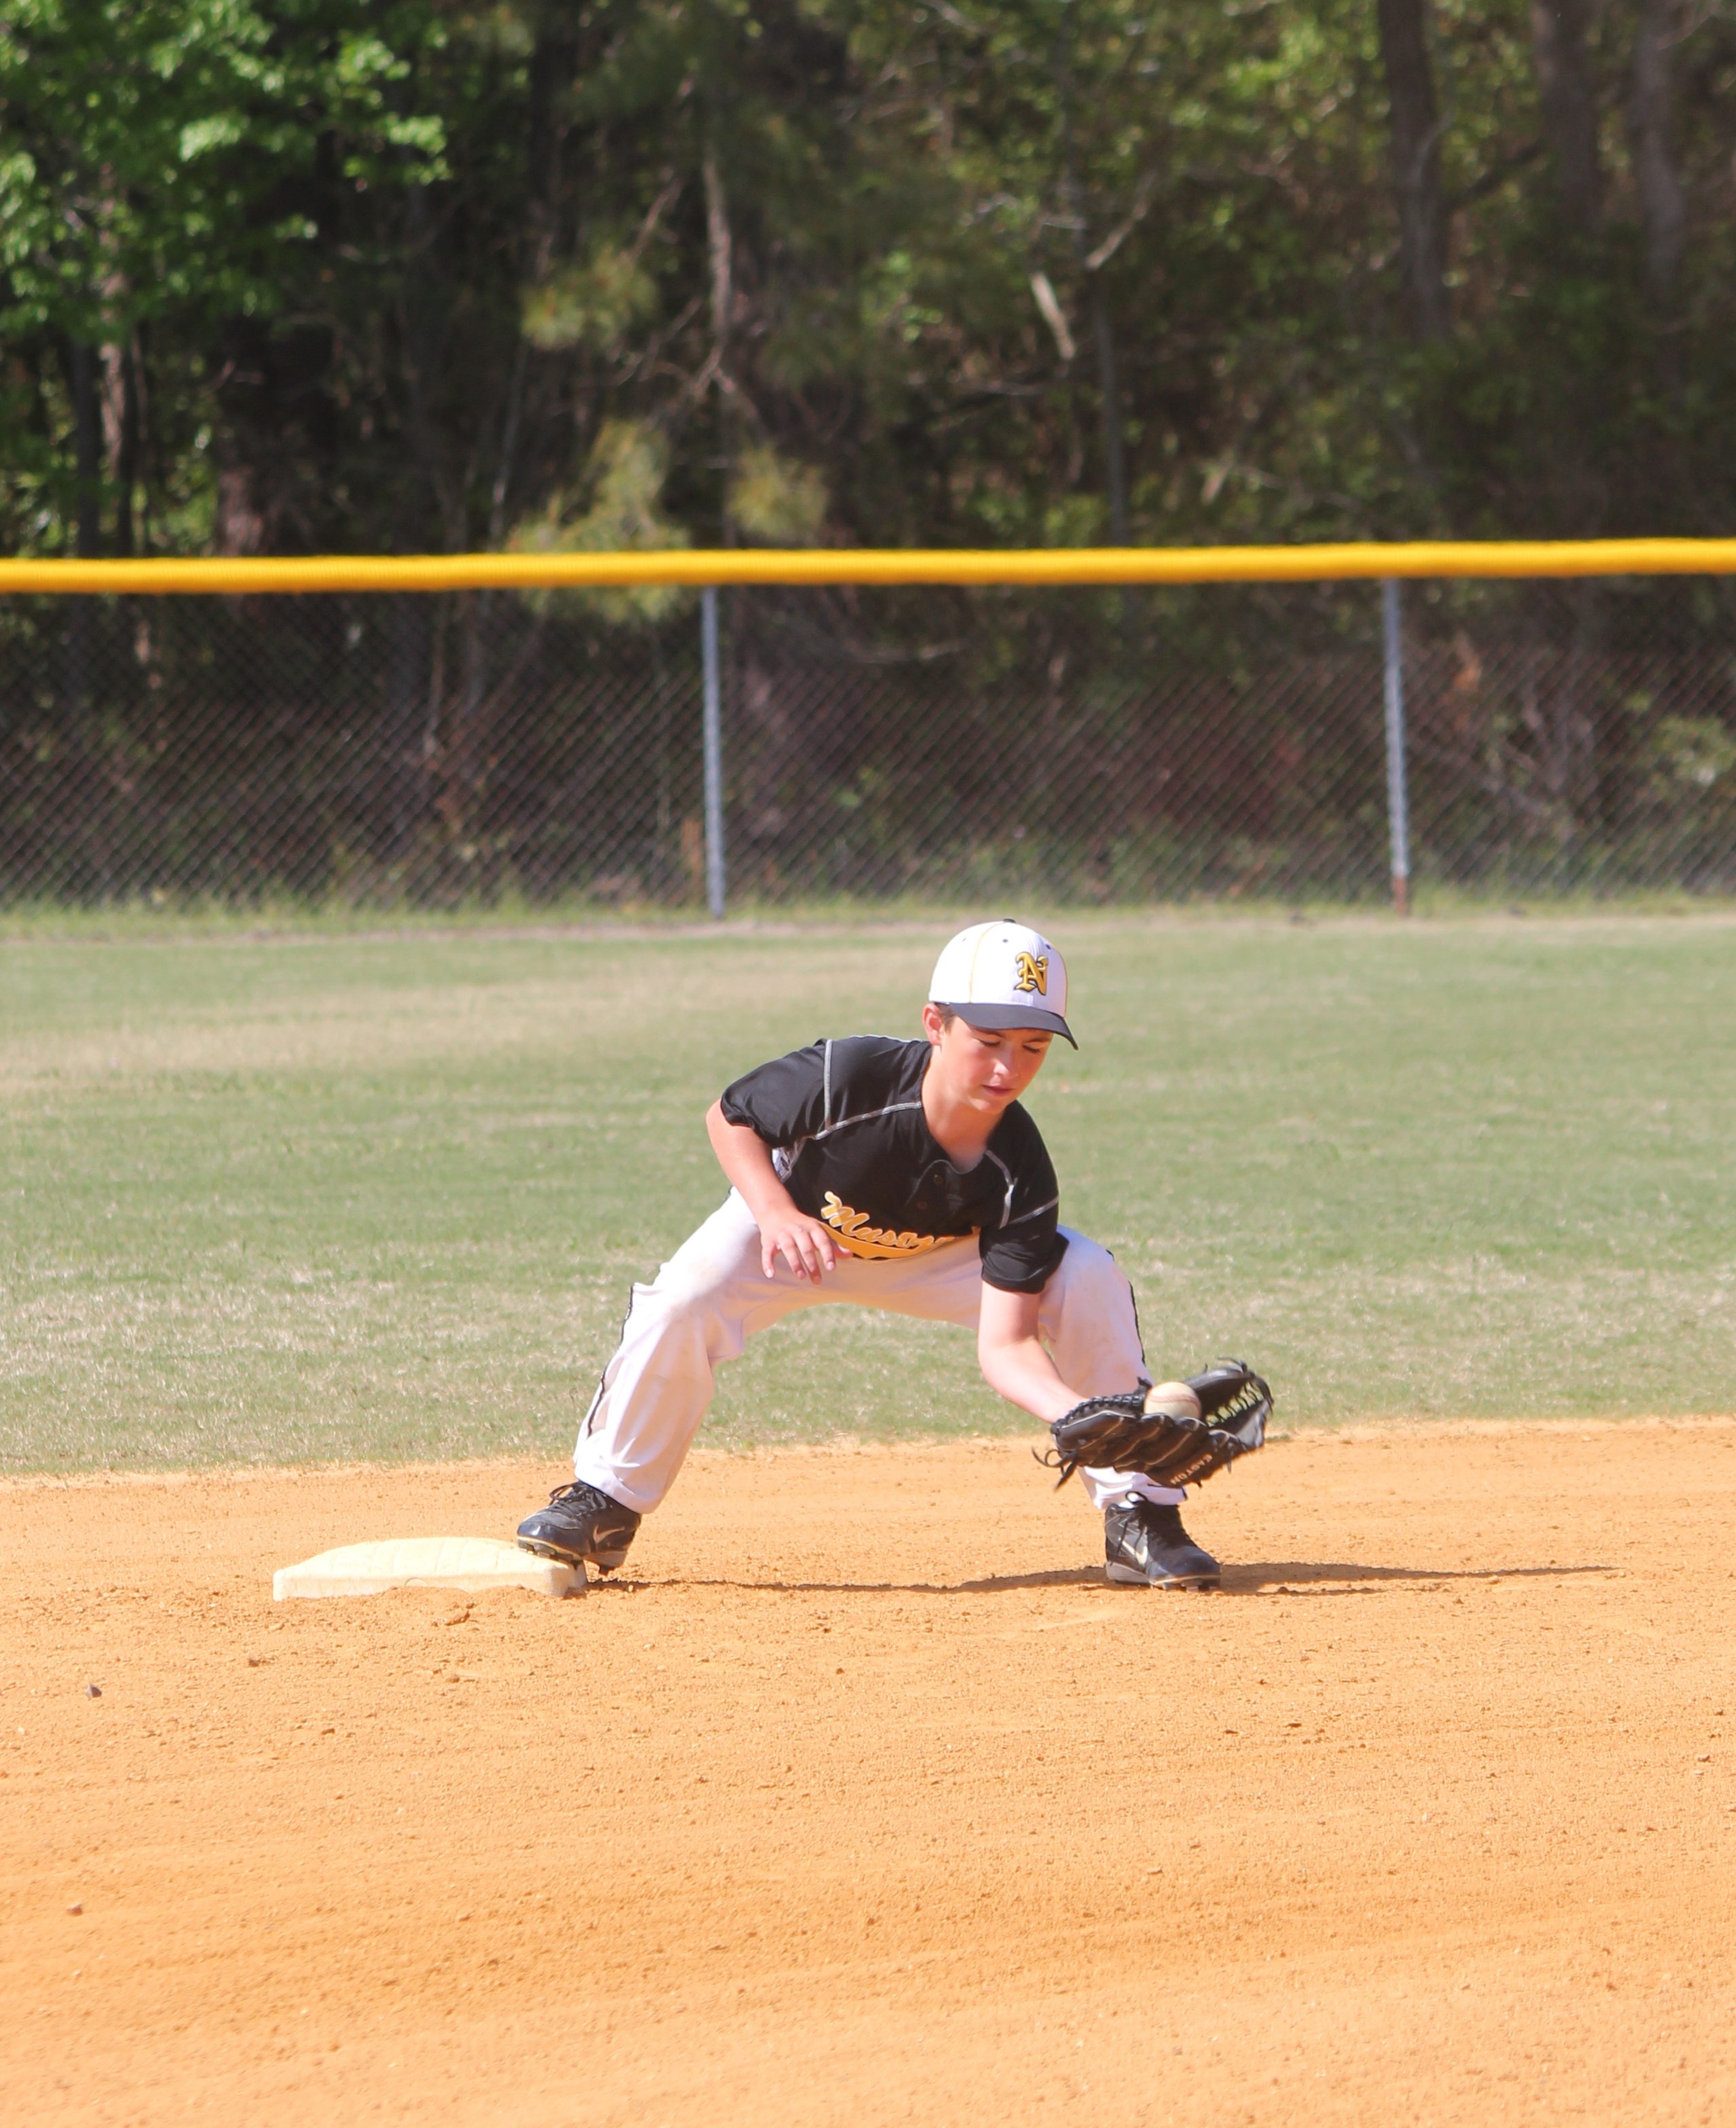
{"points": [[1172, 1400]]}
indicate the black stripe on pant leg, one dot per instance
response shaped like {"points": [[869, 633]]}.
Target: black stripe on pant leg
{"points": [[589, 1420], [1134, 1302]]}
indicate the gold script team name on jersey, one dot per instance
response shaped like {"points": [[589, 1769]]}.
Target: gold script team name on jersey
{"points": [[850, 1142], [877, 1242]]}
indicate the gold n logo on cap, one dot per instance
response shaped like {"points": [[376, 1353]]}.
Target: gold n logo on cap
{"points": [[1033, 973]]}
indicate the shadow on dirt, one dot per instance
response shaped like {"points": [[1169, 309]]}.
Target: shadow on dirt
{"points": [[1337, 1576], [1279, 1577], [1060, 1577]]}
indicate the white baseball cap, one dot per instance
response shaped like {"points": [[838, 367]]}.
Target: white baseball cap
{"points": [[1003, 973]]}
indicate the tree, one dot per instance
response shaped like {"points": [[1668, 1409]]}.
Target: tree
{"points": [[1416, 129], [390, 274], [1561, 32], [1663, 211], [154, 193]]}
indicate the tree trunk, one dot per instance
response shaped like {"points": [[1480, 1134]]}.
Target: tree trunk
{"points": [[554, 64], [425, 320], [145, 447], [1114, 461], [121, 437], [238, 523], [718, 244], [1109, 390], [81, 383], [1416, 130], [721, 250], [1661, 212], [1559, 31]]}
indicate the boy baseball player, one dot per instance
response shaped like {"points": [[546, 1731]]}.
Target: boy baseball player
{"points": [[881, 1173]]}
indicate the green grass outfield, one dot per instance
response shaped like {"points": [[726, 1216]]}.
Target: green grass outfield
{"points": [[340, 1195]]}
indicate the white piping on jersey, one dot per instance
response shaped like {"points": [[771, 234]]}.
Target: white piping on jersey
{"points": [[871, 1116], [1006, 1202], [784, 1157], [1033, 1212]]}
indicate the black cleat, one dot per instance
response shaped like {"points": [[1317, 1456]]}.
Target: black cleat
{"points": [[1146, 1543], [580, 1522]]}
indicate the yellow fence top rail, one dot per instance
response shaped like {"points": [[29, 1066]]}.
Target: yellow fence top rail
{"points": [[868, 565]]}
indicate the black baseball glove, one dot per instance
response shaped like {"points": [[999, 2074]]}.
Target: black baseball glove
{"points": [[1124, 1432]]}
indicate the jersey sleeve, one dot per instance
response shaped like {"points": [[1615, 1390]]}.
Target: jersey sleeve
{"points": [[1020, 1251], [784, 1101]]}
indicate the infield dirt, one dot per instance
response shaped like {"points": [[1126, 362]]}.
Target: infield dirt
{"points": [[859, 1798]]}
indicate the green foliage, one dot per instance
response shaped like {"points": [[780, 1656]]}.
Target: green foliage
{"points": [[776, 501], [628, 467], [152, 146], [1695, 752], [592, 306], [377, 275]]}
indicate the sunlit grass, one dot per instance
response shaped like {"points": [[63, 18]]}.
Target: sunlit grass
{"points": [[319, 1193]]}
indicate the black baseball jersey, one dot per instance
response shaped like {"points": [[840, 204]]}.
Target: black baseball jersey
{"points": [[849, 1140]]}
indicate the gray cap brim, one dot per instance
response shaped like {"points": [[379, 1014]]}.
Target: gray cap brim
{"points": [[989, 1017]]}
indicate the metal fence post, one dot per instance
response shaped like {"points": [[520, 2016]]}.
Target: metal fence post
{"points": [[713, 751], [1398, 803]]}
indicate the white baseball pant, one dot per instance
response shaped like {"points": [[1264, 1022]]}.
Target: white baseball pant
{"points": [[712, 1295]]}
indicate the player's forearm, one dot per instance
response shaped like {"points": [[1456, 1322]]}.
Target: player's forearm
{"points": [[805, 1243], [746, 1160], [1020, 1370]]}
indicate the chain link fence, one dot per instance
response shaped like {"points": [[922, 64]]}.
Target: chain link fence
{"points": [[1061, 746]]}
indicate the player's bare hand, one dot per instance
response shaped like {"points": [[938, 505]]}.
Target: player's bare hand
{"points": [[807, 1245]]}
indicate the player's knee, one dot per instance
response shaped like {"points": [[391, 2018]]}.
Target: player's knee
{"points": [[1088, 1293], [681, 1293], [1089, 1271]]}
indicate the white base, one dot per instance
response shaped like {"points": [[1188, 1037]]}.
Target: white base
{"points": [[473, 1563]]}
